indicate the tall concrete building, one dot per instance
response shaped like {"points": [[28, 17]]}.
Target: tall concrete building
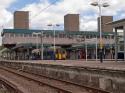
{"points": [[104, 26], [71, 22], [21, 20]]}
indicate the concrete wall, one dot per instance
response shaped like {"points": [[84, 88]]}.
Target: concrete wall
{"points": [[110, 80]]}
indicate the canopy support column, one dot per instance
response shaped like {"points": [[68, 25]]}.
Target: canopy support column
{"points": [[124, 41], [116, 46]]}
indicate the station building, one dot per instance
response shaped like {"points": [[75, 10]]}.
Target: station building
{"points": [[22, 44], [22, 41]]}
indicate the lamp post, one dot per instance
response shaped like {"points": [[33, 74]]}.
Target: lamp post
{"points": [[111, 45], [42, 45], [41, 34], [96, 49], [100, 5], [37, 37], [53, 26], [86, 49]]}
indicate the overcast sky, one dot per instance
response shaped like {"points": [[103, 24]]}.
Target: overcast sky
{"points": [[55, 13]]}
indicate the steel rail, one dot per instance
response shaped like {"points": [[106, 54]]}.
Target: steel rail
{"points": [[60, 90], [87, 88]]}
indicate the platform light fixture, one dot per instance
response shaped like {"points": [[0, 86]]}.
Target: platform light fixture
{"points": [[53, 26], [99, 4]]}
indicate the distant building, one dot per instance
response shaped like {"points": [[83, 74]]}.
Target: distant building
{"points": [[21, 41], [21, 20], [104, 26], [71, 22]]}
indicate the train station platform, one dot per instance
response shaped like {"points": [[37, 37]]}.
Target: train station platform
{"points": [[109, 75], [120, 65], [107, 64]]}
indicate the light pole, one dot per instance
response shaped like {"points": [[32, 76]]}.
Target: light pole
{"points": [[111, 45], [42, 45], [100, 5], [41, 34], [86, 49], [37, 38], [53, 26], [96, 48]]}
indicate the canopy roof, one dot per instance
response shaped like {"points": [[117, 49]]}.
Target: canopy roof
{"points": [[27, 31], [117, 24]]}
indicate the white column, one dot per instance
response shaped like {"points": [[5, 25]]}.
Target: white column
{"points": [[42, 45], [116, 47], [86, 48], [124, 41], [37, 41], [96, 48], [54, 39], [28, 51]]}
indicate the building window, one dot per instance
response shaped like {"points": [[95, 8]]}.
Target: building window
{"points": [[39, 35], [25, 35], [52, 35], [11, 35], [17, 35], [108, 37], [46, 35], [70, 36], [94, 36], [21, 35], [87, 37], [64, 35], [90, 36], [112, 37], [61, 36], [34, 35], [105, 37], [56, 35], [98, 37], [6, 35], [30, 35]]}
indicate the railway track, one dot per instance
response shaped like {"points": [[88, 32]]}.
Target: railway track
{"points": [[7, 87], [59, 85]]}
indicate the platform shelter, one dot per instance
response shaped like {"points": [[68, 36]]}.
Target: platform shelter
{"points": [[119, 38]]}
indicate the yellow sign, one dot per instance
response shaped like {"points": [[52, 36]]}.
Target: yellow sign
{"points": [[101, 43]]}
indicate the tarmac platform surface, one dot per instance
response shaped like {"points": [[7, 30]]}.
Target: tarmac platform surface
{"points": [[112, 65]]}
